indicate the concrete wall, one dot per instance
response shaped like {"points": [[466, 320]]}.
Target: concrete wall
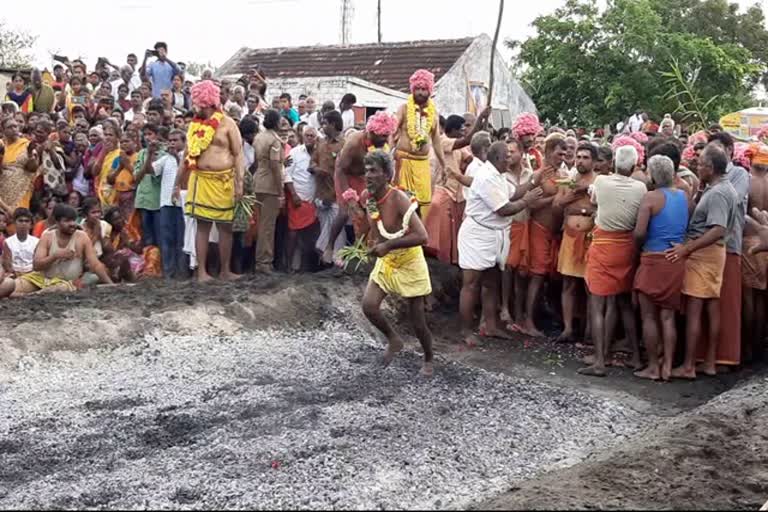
{"points": [[333, 88], [451, 91]]}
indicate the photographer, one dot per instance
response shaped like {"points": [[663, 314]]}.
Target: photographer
{"points": [[161, 71]]}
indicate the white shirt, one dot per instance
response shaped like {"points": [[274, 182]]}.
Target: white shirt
{"points": [[472, 168], [490, 191], [22, 253], [635, 123], [166, 166], [249, 153], [348, 116], [298, 173], [133, 84]]}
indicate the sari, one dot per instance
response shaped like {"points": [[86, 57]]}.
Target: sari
{"points": [[106, 192], [18, 184], [22, 99]]}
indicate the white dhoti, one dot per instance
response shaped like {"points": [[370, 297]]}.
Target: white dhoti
{"points": [[326, 215], [482, 247], [190, 234]]}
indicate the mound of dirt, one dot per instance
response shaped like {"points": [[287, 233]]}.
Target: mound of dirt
{"points": [[711, 458]]}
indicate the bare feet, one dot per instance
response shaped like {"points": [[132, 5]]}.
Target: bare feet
{"points": [[530, 330], [565, 337], [666, 372], [650, 373], [229, 276], [684, 373], [394, 348], [471, 340], [710, 370], [636, 363], [496, 333], [593, 371], [427, 371], [589, 359], [204, 277], [505, 317]]}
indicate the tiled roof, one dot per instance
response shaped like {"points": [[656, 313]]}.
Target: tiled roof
{"points": [[387, 64]]}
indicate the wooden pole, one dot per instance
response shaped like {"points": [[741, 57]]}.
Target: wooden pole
{"points": [[378, 18], [493, 50]]}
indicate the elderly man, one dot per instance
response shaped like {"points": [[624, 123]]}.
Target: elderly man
{"points": [[728, 351], [610, 260], [418, 131], [704, 253], [400, 266], [484, 239], [215, 167], [300, 197], [661, 224]]}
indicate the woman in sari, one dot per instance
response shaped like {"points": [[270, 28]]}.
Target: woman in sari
{"points": [[107, 164], [143, 262], [19, 167], [20, 94]]}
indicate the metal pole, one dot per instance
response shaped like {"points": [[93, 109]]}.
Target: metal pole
{"points": [[378, 17]]}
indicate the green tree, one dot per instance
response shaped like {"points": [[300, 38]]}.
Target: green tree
{"points": [[589, 66], [14, 47]]}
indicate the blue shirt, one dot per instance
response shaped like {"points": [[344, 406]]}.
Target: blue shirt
{"points": [[161, 75], [291, 114]]}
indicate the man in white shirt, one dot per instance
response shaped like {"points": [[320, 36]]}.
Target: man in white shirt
{"points": [[484, 239], [347, 112], [128, 77], [301, 185], [316, 120], [171, 214]]}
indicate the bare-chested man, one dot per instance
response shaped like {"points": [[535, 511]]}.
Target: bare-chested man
{"points": [[61, 258], [350, 168], [215, 168], [544, 223], [418, 130], [755, 265], [400, 268], [576, 205]]}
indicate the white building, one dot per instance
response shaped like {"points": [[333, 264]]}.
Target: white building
{"points": [[377, 74]]}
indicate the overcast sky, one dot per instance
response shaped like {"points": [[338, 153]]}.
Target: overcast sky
{"points": [[115, 28]]}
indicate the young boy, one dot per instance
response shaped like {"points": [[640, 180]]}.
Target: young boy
{"points": [[19, 250]]}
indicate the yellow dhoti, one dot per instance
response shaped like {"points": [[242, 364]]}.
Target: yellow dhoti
{"points": [[416, 177], [211, 196], [403, 272], [37, 281]]}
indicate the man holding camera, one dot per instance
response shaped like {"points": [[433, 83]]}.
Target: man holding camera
{"points": [[161, 71]]}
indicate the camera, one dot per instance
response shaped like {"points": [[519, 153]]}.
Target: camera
{"points": [[153, 53], [60, 58]]}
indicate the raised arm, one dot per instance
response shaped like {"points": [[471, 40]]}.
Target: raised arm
{"points": [[479, 123]]}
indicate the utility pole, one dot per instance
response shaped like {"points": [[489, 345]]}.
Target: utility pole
{"points": [[346, 20], [378, 18]]}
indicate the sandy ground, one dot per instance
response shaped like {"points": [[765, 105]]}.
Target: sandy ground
{"points": [[169, 379]]}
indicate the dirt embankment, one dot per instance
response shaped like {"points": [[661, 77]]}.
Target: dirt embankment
{"points": [[711, 458]]}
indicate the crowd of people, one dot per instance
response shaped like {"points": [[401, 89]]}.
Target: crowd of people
{"points": [[135, 172]]}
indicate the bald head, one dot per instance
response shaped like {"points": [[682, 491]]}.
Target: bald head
{"points": [[498, 155]]}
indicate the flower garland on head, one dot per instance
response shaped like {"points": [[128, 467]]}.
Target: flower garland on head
{"points": [[373, 211], [420, 122], [200, 136]]}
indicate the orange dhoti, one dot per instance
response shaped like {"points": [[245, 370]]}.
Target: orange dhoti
{"points": [[542, 249], [572, 259], [519, 246], [704, 273], [443, 222], [661, 280], [610, 263], [729, 344]]}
